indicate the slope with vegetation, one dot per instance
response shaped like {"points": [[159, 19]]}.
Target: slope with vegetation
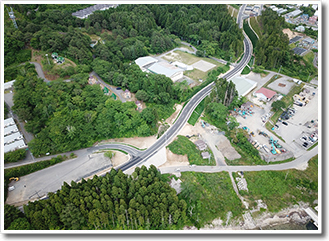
{"points": [[272, 50]]}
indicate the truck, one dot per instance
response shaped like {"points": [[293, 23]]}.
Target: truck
{"points": [[266, 148]]}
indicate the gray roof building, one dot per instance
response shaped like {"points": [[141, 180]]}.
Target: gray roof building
{"points": [[12, 138], [201, 145], [165, 69], [14, 146], [84, 13], [8, 122], [10, 130], [205, 155]]}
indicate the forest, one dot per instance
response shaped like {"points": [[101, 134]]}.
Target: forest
{"points": [[272, 49], [116, 201], [68, 116]]}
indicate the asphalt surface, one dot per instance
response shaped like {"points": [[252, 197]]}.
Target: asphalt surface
{"points": [[117, 92]]}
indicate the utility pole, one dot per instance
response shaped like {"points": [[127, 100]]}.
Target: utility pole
{"points": [[47, 58]]}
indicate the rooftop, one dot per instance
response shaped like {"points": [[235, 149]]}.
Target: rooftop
{"points": [[165, 69], [205, 155], [243, 85], [142, 61], [200, 144], [268, 93], [13, 146], [8, 122]]}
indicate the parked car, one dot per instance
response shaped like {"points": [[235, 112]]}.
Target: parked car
{"points": [[118, 88], [285, 123]]}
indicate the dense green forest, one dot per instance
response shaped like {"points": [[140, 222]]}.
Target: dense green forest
{"points": [[113, 202], [68, 116], [272, 49]]}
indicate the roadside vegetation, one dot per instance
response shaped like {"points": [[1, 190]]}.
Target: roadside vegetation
{"points": [[209, 196], [250, 33], [14, 156], [255, 26], [196, 113], [280, 189], [183, 146]]}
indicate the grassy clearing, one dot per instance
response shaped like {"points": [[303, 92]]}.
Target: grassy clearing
{"points": [[246, 70], [180, 45], [196, 74], [236, 6], [196, 113], [209, 195], [255, 26], [274, 78], [280, 189], [182, 145], [293, 45], [309, 57]]}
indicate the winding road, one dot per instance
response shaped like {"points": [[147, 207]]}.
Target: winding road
{"points": [[138, 157]]}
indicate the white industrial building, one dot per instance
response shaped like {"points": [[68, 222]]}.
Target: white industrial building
{"points": [[8, 122], [13, 139], [151, 65], [14, 146], [8, 85], [10, 130], [243, 85]]}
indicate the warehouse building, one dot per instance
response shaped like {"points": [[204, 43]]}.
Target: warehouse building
{"points": [[151, 65], [13, 139], [243, 85]]}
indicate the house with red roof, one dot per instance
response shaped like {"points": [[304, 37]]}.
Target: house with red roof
{"points": [[264, 94]]}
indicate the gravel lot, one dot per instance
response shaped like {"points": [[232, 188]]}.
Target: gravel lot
{"points": [[287, 81]]}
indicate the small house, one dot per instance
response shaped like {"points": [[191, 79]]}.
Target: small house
{"points": [[205, 155], [127, 94], [139, 105], [264, 94], [92, 80], [201, 145]]}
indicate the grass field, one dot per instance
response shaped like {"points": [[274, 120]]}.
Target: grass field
{"points": [[190, 59], [255, 26], [280, 189], [209, 196], [309, 57], [182, 145], [196, 113], [246, 70]]}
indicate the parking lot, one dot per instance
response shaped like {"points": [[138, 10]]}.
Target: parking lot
{"points": [[298, 124]]}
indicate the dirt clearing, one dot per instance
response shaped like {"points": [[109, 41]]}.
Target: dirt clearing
{"points": [[175, 160], [226, 149], [292, 34], [172, 118], [139, 142]]}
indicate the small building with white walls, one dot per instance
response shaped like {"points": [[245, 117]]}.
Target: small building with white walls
{"points": [[264, 94], [14, 146]]}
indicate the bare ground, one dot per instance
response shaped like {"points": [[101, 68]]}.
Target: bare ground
{"points": [[226, 149], [292, 34], [139, 142], [172, 118], [175, 160]]}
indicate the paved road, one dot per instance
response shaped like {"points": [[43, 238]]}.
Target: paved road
{"points": [[117, 92], [38, 68], [298, 162]]}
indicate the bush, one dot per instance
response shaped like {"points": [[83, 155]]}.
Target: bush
{"points": [[277, 105], [15, 156]]}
